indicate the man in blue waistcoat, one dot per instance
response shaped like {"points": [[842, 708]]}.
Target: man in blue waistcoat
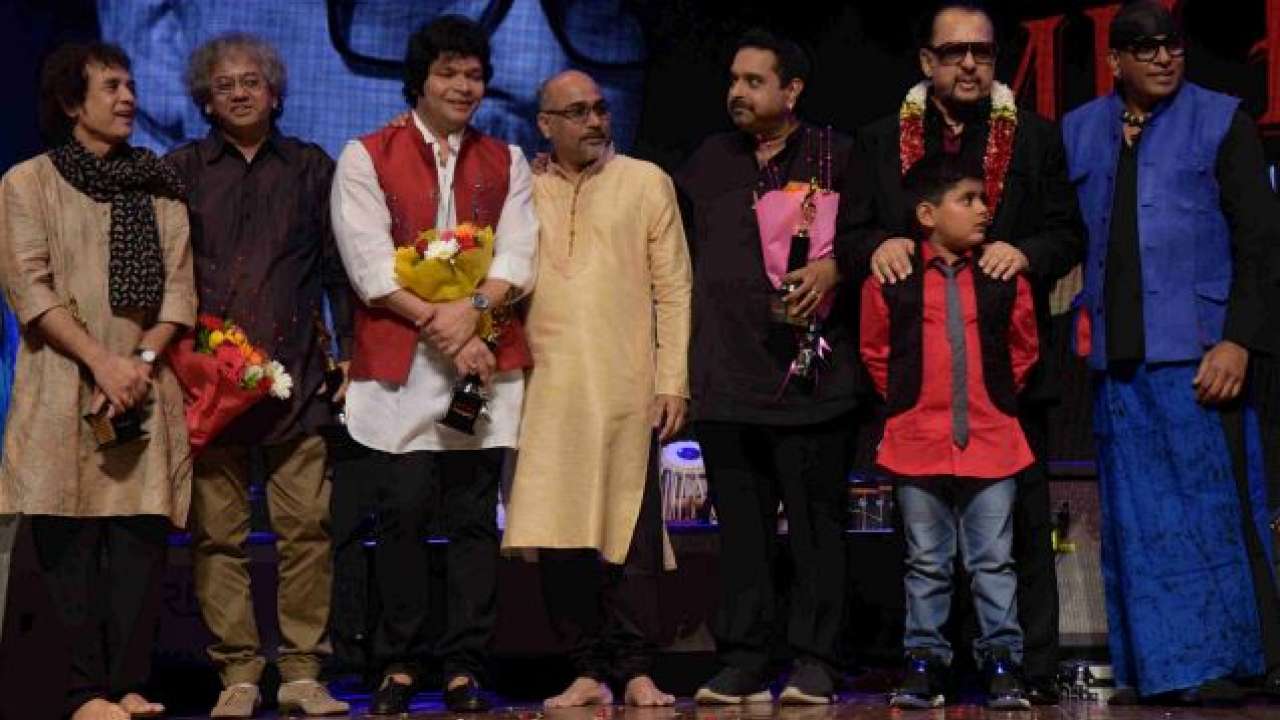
{"points": [[1180, 223]]}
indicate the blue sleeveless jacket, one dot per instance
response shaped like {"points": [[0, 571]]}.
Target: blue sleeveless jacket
{"points": [[1184, 240]]}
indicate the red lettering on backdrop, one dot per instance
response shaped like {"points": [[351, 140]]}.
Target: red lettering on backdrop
{"points": [[1269, 49], [1041, 52], [1101, 17]]}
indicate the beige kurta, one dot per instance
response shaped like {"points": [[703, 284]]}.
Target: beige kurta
{"points": [[54, 252], [609, 329]]}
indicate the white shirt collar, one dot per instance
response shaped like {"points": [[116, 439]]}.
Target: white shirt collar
{"points": [[454, 140]]}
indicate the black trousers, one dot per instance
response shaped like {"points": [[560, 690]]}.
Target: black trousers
{"points": [[462, 487], [103, 576], [1033, 554], [749, 469], [607, 614]]}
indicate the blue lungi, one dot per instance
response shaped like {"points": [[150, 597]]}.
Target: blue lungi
{"points": [[1180, 599]]}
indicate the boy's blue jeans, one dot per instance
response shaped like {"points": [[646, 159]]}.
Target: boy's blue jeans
{"points": [[938, 514]]}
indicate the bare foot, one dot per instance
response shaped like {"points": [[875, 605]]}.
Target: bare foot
{"points": [[641, 692], [583, 691], [99, 709], [138, 706]]}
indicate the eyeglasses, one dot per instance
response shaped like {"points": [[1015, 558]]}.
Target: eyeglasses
{"points": [[1146, 49], [579, 112], [226, 85], [984, 53]]}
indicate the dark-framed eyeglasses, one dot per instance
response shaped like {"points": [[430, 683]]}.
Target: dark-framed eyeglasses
{"points": [[579, 112], [1145, 49], [984, 53]]}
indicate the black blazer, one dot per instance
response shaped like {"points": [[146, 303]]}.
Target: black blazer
{"points": [[1038, 214]]}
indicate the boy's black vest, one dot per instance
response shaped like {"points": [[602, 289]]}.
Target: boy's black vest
{"points": [[905, 300]]}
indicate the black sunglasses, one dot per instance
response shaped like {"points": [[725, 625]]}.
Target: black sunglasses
{"points": [[984, 53], [1145, 49]]}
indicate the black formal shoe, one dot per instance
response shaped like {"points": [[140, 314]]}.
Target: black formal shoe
{"points": [[392, 698], [1041, 691], [466, 698], [1220, 692], [1271, 685]]}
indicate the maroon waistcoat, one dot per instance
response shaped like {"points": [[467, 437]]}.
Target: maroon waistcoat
{"points": [[406, 168]]}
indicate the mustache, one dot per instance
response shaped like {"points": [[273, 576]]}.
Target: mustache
{"points": [[739, 103]]}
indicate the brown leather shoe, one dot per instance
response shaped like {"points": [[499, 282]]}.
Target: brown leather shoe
{"points": [[309, 698], [238, 701]]}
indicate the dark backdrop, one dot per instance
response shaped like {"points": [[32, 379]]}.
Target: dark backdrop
{"points": [[864, 53], [865, 58]]}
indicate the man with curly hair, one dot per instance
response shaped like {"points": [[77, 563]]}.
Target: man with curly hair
{"points": [[265, 258]]}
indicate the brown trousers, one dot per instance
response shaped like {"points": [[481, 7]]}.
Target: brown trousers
{"points": [[298, 503]]}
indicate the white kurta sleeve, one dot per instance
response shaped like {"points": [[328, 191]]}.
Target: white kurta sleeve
{"points": [[515, 242], [362, 224]]}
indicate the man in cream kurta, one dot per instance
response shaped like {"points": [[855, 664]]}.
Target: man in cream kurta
{"points": [[608, 325]]}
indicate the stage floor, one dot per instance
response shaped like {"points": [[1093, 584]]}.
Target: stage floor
{"points": [[852, 707]]}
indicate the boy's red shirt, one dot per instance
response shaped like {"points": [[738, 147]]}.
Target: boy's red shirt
{"points": [[918, 441]]}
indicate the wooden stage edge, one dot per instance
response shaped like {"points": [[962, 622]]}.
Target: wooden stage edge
{"points": [[851, 707]]}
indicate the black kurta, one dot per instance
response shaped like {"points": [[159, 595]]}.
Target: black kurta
{"points": [[265, 258], [738, 355]]}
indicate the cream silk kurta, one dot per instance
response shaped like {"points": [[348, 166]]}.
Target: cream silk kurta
{"points": [[54, 253], [608, 325]]}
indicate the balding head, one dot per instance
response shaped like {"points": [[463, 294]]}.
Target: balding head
{"points": [[570, 82], [574, 116]]}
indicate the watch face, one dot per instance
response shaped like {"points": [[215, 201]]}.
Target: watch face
{"points": [[480, 301]]}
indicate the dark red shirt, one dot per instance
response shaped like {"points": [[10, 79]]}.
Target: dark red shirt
{"points": [[918, 441]]}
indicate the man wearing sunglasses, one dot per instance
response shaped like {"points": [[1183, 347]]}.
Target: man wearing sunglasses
{"points": [[608, 325], [1181, 223], [435, 172], [1035, 229]]}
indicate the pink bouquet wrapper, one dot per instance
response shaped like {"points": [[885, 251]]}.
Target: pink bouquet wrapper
{"points": [[778, 216]]}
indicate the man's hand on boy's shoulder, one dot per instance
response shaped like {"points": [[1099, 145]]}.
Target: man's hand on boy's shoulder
{"points": [[1003, 261]]}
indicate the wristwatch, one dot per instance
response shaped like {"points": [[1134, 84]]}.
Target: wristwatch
{"points": [[146, 355], [480, 301]]}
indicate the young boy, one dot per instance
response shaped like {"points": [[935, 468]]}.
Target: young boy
{"points": [[949, 348]]}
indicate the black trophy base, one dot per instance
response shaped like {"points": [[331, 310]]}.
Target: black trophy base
{"points": [[466, 406]]}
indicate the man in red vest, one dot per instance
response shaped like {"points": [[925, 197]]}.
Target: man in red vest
{"points": [[433, 172]]}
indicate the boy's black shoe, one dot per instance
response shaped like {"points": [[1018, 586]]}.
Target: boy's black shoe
{"points": [[922, 683], [1004, 683]]}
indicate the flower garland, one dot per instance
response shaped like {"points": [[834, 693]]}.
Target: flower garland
{"points": [[999, 153]]}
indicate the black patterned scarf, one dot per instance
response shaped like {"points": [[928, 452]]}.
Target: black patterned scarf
{"points": [[126, 178]]}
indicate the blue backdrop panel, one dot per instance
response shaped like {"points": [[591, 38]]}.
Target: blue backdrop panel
{"points": [[334, 97]]}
